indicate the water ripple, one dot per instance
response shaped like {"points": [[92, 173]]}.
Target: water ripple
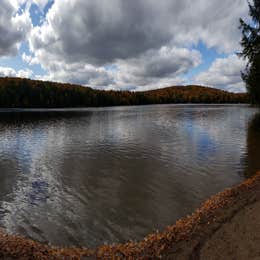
{"points": [[82, 177]]}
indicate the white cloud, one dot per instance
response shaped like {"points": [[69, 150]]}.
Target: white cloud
{"points": [[224, 73], [80, 73], [29, 59], [10, 72]]}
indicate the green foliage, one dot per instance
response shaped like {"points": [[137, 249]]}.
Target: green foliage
{"points": [[251, 51], [16, 92]]}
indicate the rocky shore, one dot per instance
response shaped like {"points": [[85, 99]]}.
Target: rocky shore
{"points": [[226, 226]]}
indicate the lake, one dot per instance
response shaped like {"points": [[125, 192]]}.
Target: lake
{"points": [[84, 177]]}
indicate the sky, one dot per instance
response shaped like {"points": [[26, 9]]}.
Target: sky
{"points": [[124, 44]]}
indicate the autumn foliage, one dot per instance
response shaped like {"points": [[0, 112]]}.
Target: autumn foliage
{"points": [[17, 92]]}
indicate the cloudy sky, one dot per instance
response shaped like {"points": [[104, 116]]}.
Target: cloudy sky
{"points": [[123, 44]]}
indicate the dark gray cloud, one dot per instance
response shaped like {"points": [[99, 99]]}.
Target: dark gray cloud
{"points": [[100, 31], [148, 43], [156, 67], [164, 63], [13, 28]]}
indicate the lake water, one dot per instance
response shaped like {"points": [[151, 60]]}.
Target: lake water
{"points": [[84, 177]]}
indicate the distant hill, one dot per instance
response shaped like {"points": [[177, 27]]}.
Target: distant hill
{"points": [[18, 92]]}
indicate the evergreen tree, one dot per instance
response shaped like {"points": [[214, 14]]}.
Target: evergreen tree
{"points": [[251, 51]]}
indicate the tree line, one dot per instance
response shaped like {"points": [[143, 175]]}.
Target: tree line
{"points": [[18, 92]]}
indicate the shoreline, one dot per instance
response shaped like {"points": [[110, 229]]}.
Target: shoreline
{"points": [[206, 234]]}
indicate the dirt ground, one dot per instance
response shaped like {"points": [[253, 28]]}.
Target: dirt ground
{"points": [[226, 226], [238, 238]]}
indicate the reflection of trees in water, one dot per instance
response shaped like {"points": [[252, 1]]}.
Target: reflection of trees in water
{"points": [[253, 146], [29, 117]]}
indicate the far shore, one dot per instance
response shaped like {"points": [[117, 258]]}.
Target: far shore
{"points": [[226, 226]]}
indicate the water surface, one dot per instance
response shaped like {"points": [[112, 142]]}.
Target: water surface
{"points": [[84, 177]]}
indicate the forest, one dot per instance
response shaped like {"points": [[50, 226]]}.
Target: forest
{"points": [[26, 93]]}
